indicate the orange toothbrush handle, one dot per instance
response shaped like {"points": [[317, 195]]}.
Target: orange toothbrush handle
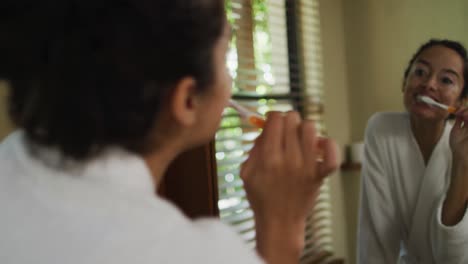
{"points": [[257, 121]]}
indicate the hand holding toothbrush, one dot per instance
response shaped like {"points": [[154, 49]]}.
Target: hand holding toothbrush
{"points": [[459, 133], [456, 197], [281, 178], [459, 136], [256, 119]]}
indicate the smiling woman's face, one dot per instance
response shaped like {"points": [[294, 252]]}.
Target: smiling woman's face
{"points": [[438, 73]]}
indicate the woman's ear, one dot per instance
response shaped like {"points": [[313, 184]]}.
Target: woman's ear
{"points": [[184, 101]]}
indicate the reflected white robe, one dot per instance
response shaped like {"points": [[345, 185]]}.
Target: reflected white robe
{"points": [[402, 197]]}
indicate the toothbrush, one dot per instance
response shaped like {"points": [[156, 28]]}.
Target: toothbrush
{"points": [[251, 117], [430, 101], [257, 120]]}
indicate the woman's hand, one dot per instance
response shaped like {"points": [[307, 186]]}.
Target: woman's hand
{"points": [[282, 177], [454, 206], [459, 136]]}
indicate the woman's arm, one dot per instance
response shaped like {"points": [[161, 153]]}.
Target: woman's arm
{"points": [[449, 227], [454, 206]]}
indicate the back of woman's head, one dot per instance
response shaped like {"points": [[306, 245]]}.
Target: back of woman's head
{"points": [[86, 74], [453, 45]]}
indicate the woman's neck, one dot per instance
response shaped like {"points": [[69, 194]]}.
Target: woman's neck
{"points": [[427, 133], [158, 162]]}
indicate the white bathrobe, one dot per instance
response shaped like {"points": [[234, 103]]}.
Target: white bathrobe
{"points": [[103, 211], [402, 197]]}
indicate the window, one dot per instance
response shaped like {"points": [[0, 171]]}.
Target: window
{"points": [[275, 61], [258, 62]]}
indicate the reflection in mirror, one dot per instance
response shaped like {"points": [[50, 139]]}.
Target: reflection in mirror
{"points": [[366, 49]]}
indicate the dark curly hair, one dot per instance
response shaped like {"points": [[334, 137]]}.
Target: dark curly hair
{"points": [[86, 74], [453, 45]]}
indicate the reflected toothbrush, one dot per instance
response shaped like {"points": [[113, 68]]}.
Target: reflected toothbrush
{"points": [[430, 101], [251, 117]]}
